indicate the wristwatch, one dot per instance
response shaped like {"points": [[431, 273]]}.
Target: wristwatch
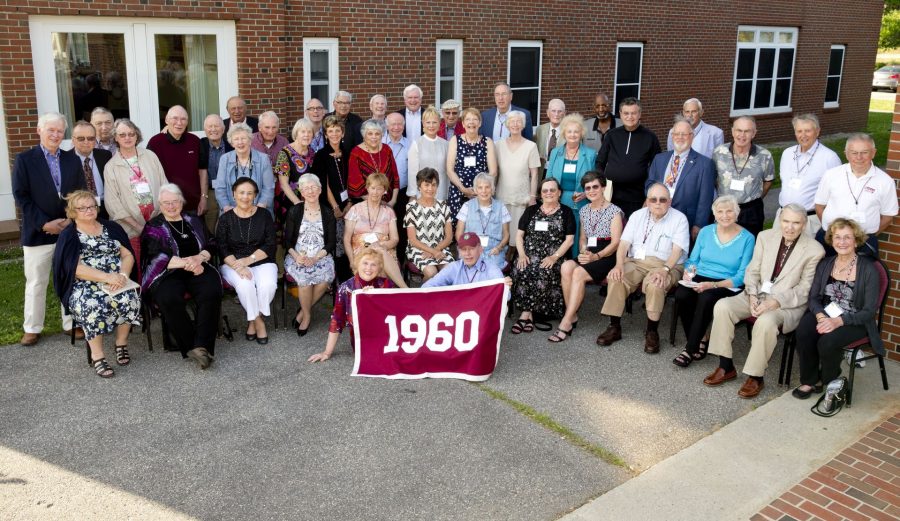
{"points": [[253, 257], [667, 268]]}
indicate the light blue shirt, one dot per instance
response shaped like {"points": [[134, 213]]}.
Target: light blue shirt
{"points": [[52, 159], [458, 273], [400, 149], [500, 130], [726, 261]]}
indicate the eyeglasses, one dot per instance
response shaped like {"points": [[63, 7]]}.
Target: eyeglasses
{"points": [[548, 190], [341, 102], [82, 139], [654, 200], [682, 134], [315, 109], [451, 112], [85, 209], [170, 203], [591, 188], [126, 134]]}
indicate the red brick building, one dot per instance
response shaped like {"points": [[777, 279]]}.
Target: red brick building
{"points": [[771, 59]]}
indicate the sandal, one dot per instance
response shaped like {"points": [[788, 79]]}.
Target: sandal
{"points": [[555, 339], [102, 368], [701, 352], [122, 356], [684, 359], [523, 325]]}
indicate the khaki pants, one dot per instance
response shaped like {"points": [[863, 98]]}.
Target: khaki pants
{"points": [[635, 274], [212, 213], [38, 264], [728, 312]]}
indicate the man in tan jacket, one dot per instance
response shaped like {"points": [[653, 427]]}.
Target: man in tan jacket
{"points": [[777, 285]]}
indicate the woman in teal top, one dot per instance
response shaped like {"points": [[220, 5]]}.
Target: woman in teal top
{"points": [[568, 163], [719, 258]]}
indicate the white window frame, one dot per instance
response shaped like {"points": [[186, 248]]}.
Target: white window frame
{"points": [[536, 44], [457, 47], [757, 45], [140, 54], [7, 202], [321, 44], [620, 45], [840, 76]]}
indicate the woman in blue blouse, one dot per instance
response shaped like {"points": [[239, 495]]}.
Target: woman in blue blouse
{"points": [[720, 255], [243, 161], [568, 163]]}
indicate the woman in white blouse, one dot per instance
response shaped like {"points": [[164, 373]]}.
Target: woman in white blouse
{"points": [[429, 151]]}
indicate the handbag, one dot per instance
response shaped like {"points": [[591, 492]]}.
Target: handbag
{"points": [[832, 401]]}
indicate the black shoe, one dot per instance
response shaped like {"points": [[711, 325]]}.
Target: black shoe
{"points": [[300, 332], [262, 340], [250, 337], [802, 395]]}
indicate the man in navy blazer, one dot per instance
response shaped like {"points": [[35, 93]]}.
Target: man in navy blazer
{"points": [[689, 176], [84, 138], [493, 120], [42, 177], [412, 112]]}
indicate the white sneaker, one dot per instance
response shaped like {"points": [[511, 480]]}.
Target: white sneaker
{"points": [[859, 354]]}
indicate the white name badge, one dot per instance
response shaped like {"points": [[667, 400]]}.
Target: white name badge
{"points": [[859, 217], [569, 168], [640, 253], [370, 238], [592, 242], [97, 198], [794, 183], [469, 161], [344, 196], [766, 287], [833, 310], [541, 226], [142, 188], [484, 240], [737, 184]]}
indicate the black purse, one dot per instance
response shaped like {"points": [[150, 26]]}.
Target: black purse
{"points": [[833, 400]]}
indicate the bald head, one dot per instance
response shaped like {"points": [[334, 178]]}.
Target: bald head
{"points": [[395, 125], [177, 121]]}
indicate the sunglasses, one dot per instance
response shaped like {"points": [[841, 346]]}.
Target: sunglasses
{"points": [[662, 200], [591, 188]]}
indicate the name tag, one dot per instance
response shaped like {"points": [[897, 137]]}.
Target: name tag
{"points": [[737, 184], [370, 238], [344, 196], [142, 188], [484, 240], [859, 216], [592, 242], [640, 253], [569, 168], [833, 310], [794, 183], [766, 287], [541, 226], [469, 161]]}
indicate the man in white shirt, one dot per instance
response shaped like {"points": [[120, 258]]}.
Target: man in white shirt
{"points": [[412, 113], [651, 256], [92, 159], [547, 136], [802, 167], [706, 137], [859, 191], [400, 148]]}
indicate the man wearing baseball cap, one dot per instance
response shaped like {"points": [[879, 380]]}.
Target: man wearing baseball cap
{"points": [[469, 268]]}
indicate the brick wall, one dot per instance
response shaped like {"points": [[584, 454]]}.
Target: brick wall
{"points": [[889, 245]]}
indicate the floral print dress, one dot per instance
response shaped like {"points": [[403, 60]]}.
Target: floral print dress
{"points": [[537, 289], [96, 312]]}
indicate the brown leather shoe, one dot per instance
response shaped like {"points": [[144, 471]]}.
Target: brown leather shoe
{"points": [[79, 333], [609, 336], [751, 388], [719, 376], [29, 339], [651, 342]]}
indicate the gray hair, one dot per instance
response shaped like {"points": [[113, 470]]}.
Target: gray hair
{"points": [[410, 88], [809, 118], [312, 179], [484, 177], [301, 124], [681, 119], [751, 119], [100, 110], [172, 188], [654, 185], [514, 114], [216, 117], [797, 209], [344, 94], [450, 104], [176, 108], [270, 114], [729, 200], [139, 136], [238, 127], [631, 101], [693, 100], [52, 117], [859, 136], [370, 124], [373, 98]]}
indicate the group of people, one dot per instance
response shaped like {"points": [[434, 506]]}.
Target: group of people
{"points": [[594, 200]]}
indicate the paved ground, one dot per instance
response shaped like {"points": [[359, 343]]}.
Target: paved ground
{"points": [[262, 434]]}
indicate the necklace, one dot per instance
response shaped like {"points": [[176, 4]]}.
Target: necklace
{"points": [[848, 269], [249, 219], [369, 215], [181, 231], [549, 211], [574, 154], [375, 162]]}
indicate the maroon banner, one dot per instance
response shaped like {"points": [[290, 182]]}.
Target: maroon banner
{"points": [[447, 332]]}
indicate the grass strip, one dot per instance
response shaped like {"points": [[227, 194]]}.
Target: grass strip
{"points": [[549, 423]]}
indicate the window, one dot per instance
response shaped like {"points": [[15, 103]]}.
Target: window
{"points": [[524, 75], [629, 59], [448, 71], [320, 69], [833, 81], [763, 70], [137, 70]]}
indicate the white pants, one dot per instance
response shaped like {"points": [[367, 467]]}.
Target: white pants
{"points": [[257, 293], [813, 224], [38, 265]]}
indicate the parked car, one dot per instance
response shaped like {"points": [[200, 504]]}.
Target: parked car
{"points": [[886, 77]]}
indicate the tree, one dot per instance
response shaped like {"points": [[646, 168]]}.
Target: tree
{"points": [[890, 30]]}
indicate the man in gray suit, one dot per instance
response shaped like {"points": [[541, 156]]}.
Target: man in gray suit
{"points": [[547, 136]]}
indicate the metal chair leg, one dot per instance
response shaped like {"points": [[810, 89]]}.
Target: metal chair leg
{"points": [[884, 381], [850, 379], [674, 322]]}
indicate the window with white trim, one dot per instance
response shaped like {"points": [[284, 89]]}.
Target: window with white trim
{"points": [[763, 70], [833, 80], [448, 71], [524, 75], [629, 61], [320, 69]]}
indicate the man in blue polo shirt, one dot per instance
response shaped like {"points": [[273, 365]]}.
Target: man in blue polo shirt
{"points": [[469, 268]]}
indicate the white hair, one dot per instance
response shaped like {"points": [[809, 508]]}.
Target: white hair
{"points": [[270, 114], [344, 94], [172, 188], [693, 100], [410, 88], [52, 117]]}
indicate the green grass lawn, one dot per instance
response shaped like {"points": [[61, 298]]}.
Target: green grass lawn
{"points": [[884, 105], [12, 299]]}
